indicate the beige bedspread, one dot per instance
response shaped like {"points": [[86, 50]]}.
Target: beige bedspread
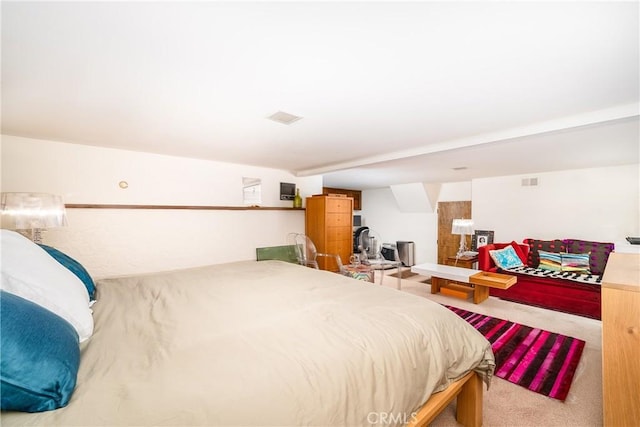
{"points": [[261, 343]]}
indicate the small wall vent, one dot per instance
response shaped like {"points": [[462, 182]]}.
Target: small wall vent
{"points": [[284, 118], [529, 182]]}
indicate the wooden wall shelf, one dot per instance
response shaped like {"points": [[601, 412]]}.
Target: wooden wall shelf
{"points": [[182, 207]]}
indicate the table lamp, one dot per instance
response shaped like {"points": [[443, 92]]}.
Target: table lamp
{"points": [[462, 227], [30, 213]]}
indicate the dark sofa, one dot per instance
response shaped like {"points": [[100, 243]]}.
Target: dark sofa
{"points": [[558, 294]]}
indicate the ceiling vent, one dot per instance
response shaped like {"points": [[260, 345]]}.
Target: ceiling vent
{"points": [[526, 182], [284, 118]]}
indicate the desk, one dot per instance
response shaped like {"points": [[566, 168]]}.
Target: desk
{"points": [[472, 281]]}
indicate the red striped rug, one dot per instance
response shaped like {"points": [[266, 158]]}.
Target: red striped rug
{"points": [[542, 361]]}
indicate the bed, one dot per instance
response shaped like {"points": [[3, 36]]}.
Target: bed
{"points": [[267, 343]]}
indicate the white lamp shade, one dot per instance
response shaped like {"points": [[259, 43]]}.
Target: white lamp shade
{"points": [[462, 226], [23, 211]]}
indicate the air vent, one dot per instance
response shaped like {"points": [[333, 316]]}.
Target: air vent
{"points": [[529, 182], [460, 168], [284, 118]]}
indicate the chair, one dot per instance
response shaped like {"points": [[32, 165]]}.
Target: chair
{"points": [[370, 247], [281, 253], [307, 253]]}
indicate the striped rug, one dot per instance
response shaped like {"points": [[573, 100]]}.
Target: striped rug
{"points": [[539, 360]]}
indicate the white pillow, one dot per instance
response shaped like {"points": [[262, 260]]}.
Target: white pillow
{"points": [[28, 271]]}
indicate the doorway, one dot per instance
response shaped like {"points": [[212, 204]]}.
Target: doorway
{"points": [[448, 243]]}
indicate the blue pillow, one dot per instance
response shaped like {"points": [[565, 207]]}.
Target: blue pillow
{"points": [[39, 358], [506, 258], [74, 266]]}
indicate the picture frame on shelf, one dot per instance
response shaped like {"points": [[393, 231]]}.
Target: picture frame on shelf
{"points": [[481, 238]]}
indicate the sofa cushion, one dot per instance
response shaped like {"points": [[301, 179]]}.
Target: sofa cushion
{"points": [[505, 258], [550, 261], [553, 293], [519, 251], [486, 263], [598, 252], [536, 245], [575, 263], [565, 262]]}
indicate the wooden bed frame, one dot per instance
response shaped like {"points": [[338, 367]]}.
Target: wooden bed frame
{"points": [[468, 390]]}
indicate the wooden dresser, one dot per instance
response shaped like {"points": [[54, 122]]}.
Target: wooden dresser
{"points": [[329, 224], [356, 194], [621, 340]]}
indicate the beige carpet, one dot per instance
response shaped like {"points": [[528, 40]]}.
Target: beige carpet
{"points": [[404, 274], [507, 404]]}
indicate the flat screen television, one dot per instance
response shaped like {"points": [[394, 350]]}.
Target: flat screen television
{"points": [[287, 191]]}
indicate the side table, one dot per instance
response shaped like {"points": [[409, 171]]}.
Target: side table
{"points": [[463, 261]]}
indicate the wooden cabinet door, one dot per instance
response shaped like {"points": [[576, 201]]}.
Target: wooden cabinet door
{"points": [[448, 243]]}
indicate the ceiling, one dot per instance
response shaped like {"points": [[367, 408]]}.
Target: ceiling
{"points": [[389, 93]]}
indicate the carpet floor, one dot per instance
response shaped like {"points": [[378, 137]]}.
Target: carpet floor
{"points": [[509, 405], [539, 360], [404, 274]]}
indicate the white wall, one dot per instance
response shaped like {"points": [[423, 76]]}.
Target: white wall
{"points": [[114, 242], [601, 204], [380, 212], [594, 204]]}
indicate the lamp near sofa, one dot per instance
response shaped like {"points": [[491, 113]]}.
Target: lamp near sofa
{"points": [[462, 227]]}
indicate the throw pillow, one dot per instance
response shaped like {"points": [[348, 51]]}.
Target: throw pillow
{"points": [[550, 261], [535, 246], [29, 272], [519, 251], [74, 266], [39, 359], [575, 263], [598, 253], [506, 258]]}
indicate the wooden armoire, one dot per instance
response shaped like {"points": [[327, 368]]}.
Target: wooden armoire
{"points": [[329, 224]]}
